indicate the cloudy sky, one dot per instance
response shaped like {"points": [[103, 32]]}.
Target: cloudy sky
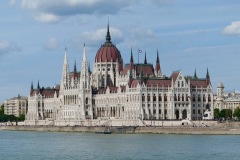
{"points": [[188, 34]]}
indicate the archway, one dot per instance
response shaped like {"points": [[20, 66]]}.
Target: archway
{"points": [[177, 114], [184, 114]]}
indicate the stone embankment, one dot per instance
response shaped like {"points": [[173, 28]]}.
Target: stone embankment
{"points": [[223, 130]]}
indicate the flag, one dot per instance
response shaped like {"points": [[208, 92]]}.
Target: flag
{"points": [[139, 51]]}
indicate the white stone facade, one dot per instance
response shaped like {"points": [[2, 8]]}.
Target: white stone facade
{"points": [[133, 92]]}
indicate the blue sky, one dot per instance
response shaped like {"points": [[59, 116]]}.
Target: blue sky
{"points": [[188, 34]]}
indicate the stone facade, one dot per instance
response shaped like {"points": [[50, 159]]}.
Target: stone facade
{"points": [[113, 91]]}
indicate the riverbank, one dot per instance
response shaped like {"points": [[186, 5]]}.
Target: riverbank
{"points": [[132, 130]]}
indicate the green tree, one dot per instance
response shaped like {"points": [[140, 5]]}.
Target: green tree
{"points": [[236, 112], [21, 117], [226, 113], [2, 109], [216, 113]]}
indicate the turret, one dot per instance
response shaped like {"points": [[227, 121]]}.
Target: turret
{"points": [[65, 72], [85, 71]]}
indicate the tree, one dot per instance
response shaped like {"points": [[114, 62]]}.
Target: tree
{"points": [[2, 109], [216, 113], [226, 113], [236, 112]]}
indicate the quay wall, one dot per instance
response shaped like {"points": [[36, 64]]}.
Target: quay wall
{"points": [[132, 130]]}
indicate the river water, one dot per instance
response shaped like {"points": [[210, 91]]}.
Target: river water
{"points": [[23, 145]]}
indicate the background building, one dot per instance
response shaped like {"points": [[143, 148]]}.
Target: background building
{"points": [[15, 106]]}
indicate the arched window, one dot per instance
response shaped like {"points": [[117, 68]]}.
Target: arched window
{"points": [[182, 97], [165, 97], [199, 97], [175, 97], [193, 98], [154, 97], [87, 100], [159, 97], [108, 80], [209, 98], [178, 97], [182, 84], [143, 97], [178, 84]]}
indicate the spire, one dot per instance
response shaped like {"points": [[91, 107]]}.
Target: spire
{"points": [[65, 56], [89, 70], [158, 71], [145, 60], [84, 53], [207, 76], [195, 74], [75, 66], [157, 61], [38, 85], [32, 86], [131, 61], [108, 36]]}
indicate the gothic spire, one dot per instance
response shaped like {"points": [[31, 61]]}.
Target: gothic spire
{"points": [[131, 59], [38, 86], [75, 67], [145, 60], [108, 36], [195, 74], [32, 86], [84, 53], [207, 76], [157, 61]]}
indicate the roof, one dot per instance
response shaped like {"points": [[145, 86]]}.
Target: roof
{"points": [[147, 69], [46, 92]]}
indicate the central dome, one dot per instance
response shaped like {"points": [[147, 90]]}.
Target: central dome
{"points": [[108, 52]]}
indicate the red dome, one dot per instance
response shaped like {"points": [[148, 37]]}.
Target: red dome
{"points": [[108, 53]]}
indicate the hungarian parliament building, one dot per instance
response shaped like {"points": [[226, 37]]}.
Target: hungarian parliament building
{"points": [[115, 91]]}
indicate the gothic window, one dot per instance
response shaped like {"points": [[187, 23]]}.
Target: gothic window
{"points": [[182, 97], [178, 97], [175, 97], [159, 97], [87, 100], [154, 98], [182, 83], [186, 97], [193, 111], [148, 97], [143, 97], [165, 97], [199, 98], [178, 84], [209, 98], [204, 98], [193, 98]]}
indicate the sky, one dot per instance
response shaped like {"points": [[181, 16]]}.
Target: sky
{"points": [[188, 35]]}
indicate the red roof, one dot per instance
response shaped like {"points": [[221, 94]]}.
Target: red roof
{"points": [[199, 83], [48, 92], [158, 82], [175, 75], [147, 69], [108, 53]]}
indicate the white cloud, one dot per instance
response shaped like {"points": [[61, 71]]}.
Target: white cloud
{"points": [[233, 28], [8, 47], [72, 7], [51, 44], [47, 18], [12, 2]]}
